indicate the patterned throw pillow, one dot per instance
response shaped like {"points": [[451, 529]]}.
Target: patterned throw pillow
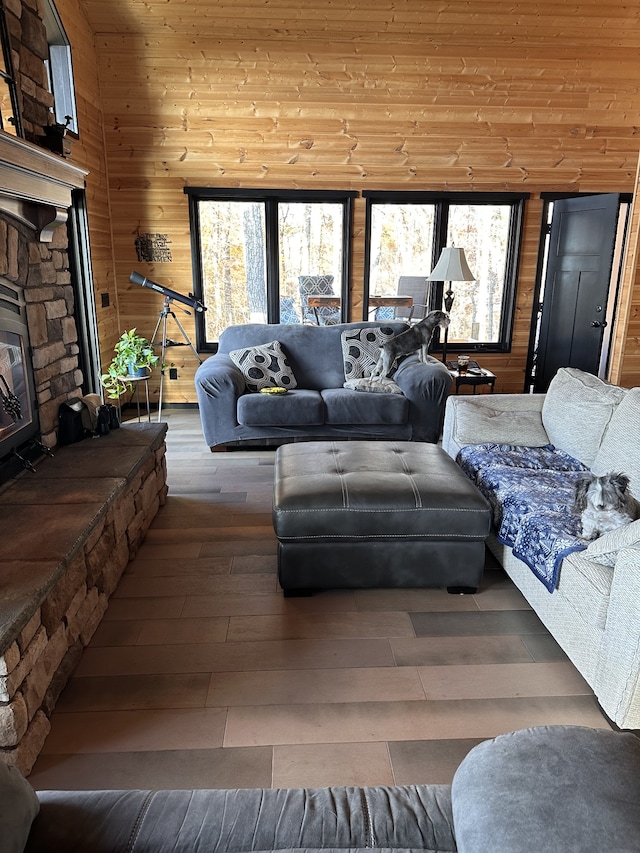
{"points": [[361, 348], [264, 366]]}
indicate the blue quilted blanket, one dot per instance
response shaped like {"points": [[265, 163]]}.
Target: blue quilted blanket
{"points": [[530, 490]]}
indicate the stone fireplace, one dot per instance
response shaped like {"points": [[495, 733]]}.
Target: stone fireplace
{"points": [[69, 528], [36, 292]]}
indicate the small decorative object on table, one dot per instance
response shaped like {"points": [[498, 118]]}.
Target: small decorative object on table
{"points": [[471, 374], [463, 364]]}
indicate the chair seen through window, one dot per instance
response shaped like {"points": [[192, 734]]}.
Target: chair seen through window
{"points": [[415, 286], [318, 285]]}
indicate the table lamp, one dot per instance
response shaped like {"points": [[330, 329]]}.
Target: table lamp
{"points": [[452, 266]]}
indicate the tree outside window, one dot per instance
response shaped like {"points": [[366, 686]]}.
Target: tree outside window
{"points": [[405, 235], [252, 249], [482, 230]]}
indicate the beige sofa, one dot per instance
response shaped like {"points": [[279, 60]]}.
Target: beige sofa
{"points": [[594, 612]]}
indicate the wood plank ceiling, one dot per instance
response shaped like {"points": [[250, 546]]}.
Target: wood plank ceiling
{"points": [[590, 25]]}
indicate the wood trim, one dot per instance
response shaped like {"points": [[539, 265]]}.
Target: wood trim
{"points": [[35, 186], [624, 366]]}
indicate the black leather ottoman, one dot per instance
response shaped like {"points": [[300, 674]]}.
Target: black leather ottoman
{"points": [[376, 514]]}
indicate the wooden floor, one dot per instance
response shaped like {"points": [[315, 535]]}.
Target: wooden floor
{"points": [[203, 675]]}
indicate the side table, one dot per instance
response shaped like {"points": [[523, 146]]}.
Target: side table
{"points": [[485, 377]]}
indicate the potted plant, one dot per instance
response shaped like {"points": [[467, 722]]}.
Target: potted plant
{"points": [[134, 357]]}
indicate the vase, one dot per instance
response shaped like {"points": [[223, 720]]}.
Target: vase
{"points": [[137, 372]]}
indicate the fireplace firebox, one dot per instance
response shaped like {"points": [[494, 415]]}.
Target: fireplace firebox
{"points": [[19, 426]]}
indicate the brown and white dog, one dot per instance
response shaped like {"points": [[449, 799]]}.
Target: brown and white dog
{"points": [[414, 339]]}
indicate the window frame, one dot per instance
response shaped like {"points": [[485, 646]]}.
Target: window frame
{"points": [[9, 78], [442, 201], [271, 198], [59, 67]]}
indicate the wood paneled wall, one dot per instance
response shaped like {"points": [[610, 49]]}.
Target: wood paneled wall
{"points": [[397, 94], [89, 152]]}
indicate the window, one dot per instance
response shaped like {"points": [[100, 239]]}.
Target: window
{"points": [[9, 110], [405, 235], [60, 69], [257, 255]]}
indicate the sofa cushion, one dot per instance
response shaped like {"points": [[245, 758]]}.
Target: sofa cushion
{"points": [[351, 407], [478, 424], [549, 788], [382, 385], [605, 549], [361, 348], [18, 807], [619, 448], [300, 407], [577, 410], [264, 366], [586, 584]]}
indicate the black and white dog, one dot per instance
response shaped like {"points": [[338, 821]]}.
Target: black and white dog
{"points": [[414, 339], [604, 503]]}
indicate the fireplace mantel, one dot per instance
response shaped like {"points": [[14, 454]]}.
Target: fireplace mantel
{"points": [[35, 185]]}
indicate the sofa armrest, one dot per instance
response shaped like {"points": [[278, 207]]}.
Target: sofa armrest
{"points": [[217, 821], [618, 678], [500, 418], [549, 788], [219, 383], [426, 385]]}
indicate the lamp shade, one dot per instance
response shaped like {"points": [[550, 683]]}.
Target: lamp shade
{"points": [[452, 266]]}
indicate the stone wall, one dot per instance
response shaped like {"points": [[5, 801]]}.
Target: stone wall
{"points": [[29, 49], [68, 532], [41, 270]]}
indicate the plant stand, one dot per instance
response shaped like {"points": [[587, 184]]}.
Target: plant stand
{"points": [[136, 381]]}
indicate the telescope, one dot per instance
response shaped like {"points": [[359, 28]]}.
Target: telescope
{"points": [[190, 300]]}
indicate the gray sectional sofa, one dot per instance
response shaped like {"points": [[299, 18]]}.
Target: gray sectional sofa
{"points": [[314, 362], [548, 788], [592, 606]]}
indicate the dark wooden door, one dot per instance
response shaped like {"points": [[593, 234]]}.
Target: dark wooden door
{"points": [[581, 246]]}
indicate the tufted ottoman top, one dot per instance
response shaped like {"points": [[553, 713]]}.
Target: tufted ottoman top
{"points": [[345, 489]]}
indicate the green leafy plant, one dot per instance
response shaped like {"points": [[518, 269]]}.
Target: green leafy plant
{"points": [[132, 352]]}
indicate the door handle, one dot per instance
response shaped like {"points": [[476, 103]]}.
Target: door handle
{"points": [[596, 324]]}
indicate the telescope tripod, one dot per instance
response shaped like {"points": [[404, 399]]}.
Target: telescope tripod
{"points": [[164, 315]]}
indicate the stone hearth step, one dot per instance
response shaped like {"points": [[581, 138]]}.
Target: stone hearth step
{"points": [[67, 533]]}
